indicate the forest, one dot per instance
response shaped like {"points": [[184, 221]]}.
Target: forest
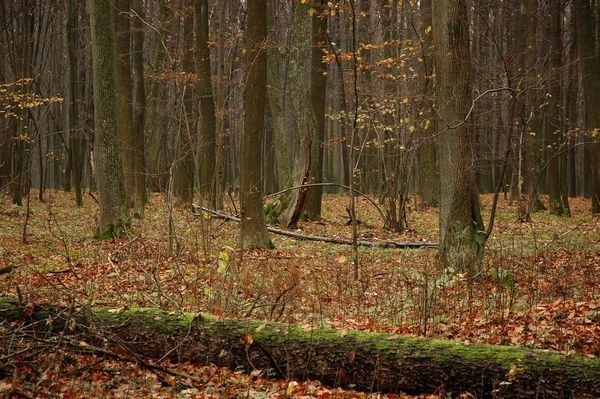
{"points": [[300, 199]]}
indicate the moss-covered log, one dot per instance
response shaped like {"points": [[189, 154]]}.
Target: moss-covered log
{"points": [[368, 361]]}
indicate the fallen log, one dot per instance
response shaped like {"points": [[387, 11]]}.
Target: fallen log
{"points": [[331, 240], [364, 360]]}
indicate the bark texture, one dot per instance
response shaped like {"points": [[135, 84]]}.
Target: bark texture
{"points": [[253, 232], [590, 69], [367, 361], [139, 108], [318, 95], [208, 123], [114, 214], [77, 140], [461, 226], [124, 97], [429, 181]]}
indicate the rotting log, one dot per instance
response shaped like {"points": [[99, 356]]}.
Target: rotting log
{"points": [[364, 360], [331, 240]]}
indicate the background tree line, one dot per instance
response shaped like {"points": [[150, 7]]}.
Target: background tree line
{"points": [[420, 103]]}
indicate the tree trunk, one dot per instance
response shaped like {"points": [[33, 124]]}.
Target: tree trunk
{"points": [[139, 108], [364, 360], [77, 142], [22, 138], [429, 180], [253, 232], [552, 130], [302, 120], [461, 226], [124, 95], [186, 134], [208, 126], [114, 214], [318, 94], [590, 61]]}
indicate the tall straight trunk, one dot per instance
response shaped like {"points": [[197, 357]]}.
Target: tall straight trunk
{"points": [[184, 157], [124, 95], [461, 226], [153, 129], [139, 108], [318, 95], [22, 138], [429, 181], [302, 121], [253, 231], [208, 126], [114, 214], [269, 165], [552, 130], [590, 69], [276, 101]]}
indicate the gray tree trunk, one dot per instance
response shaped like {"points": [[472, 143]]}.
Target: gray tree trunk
{"points": [[114, 214], [461, 226], [124, 96]]}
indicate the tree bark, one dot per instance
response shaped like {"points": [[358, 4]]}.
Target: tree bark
{"points": [[318, 94], [461, 226], [365, 360], [186, 135], [124, 96], [139, 108], [253, 232], [429, 181], [552, 129], [77, 142], [302, 121], [590, 61], [114, 214], [208, 125]]}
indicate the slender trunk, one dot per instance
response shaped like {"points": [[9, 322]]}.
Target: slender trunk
{"points": [[208, 126], [590, 61], [124, 94], [139, 108], [186, 134], [318, 95], [429, 182]]}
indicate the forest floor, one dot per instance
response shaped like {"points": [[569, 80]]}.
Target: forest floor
{"points": [[539, 287]]}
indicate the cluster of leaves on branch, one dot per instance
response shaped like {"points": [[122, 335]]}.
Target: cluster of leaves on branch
{"points": [[17, 96]]}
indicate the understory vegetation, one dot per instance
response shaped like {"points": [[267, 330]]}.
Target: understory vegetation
{"points": [[538, 287]]}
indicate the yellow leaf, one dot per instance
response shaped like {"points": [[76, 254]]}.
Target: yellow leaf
{"points": [[342, 259]]}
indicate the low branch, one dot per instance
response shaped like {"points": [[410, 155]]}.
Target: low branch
{"points": [[367, 361], [331, 240]]}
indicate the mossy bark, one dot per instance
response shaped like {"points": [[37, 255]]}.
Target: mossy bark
{"points": [[367, 361]]}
